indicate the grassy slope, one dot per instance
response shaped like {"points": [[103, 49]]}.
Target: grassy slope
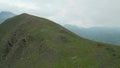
{"points": [[32, 42]]}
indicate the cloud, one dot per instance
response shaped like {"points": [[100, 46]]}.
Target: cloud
{"points": [[84, 13], [26, 6]]}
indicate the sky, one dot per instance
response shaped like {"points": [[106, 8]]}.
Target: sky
{"points": [[83, 13]]}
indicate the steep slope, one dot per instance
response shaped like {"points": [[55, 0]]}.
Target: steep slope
{"points": [[4, 15], [34, 42]]}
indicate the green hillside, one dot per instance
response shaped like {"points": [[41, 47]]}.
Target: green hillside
{"points": [[28, 41]]}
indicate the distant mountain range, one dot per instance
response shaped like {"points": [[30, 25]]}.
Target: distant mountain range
{"points": [[27, 41], [5, 15], [109, 35]]}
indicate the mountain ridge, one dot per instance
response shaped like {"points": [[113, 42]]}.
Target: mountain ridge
{"points": [[109, 35]]}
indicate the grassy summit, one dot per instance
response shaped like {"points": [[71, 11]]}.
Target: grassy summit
{"points": [[28, 41]]}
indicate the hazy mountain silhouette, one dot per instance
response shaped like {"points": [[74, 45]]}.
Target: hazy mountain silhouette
{"points": [[5, 15], [109, 35]]}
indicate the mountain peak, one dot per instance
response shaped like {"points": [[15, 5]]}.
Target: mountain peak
{"points": [[24, 14]]}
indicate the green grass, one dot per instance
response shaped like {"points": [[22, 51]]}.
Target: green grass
{"points": [[39, 43]]}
